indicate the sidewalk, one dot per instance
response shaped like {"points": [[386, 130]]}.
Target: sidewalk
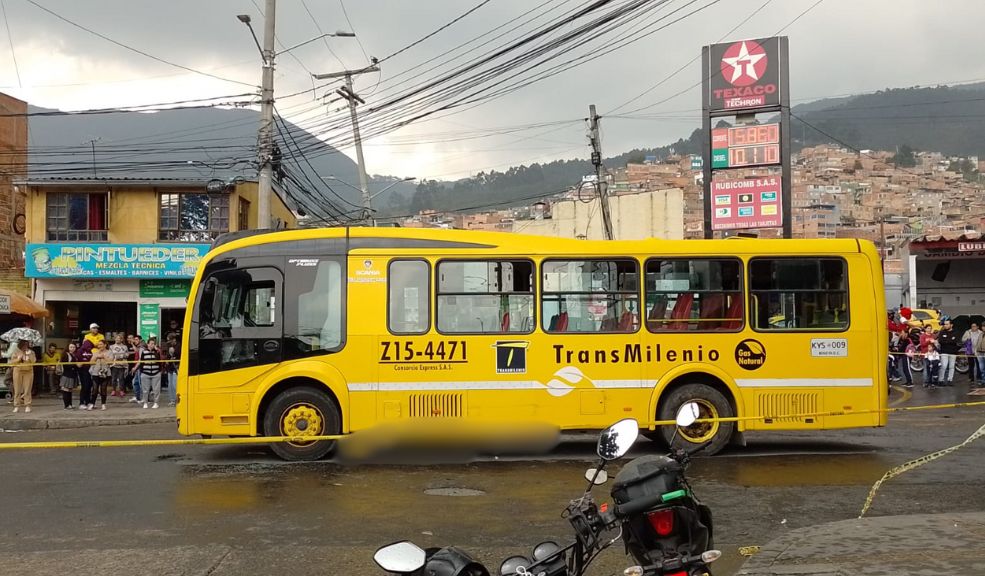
{"points": [[47, 413], [879, 546]]}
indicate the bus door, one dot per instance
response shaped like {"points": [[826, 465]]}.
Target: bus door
{"points": [[240, 328]]}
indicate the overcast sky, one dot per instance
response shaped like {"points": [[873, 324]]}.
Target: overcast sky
{"points": [[839, 47]]}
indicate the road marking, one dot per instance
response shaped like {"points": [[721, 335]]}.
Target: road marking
{"points": [[906, 396]]}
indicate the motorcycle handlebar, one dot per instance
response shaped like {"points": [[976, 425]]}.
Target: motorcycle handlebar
{"points": [[638, 505]]}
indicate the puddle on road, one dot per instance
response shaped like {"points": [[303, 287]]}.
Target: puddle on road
{"points": [[454, 492], [793, 470]]}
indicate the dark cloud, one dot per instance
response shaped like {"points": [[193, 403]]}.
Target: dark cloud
{"points": [[839, 47]]}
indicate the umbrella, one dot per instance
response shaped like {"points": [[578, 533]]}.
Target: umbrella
{"points": [[18, 334], [14, 303]]}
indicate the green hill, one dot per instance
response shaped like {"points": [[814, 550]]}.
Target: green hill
{"points": [[948, 119]]}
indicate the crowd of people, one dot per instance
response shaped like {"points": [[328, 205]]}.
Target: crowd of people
{"points": [[940, 351], [97, 367]]}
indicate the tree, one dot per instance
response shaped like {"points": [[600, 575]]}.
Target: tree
{"points": [[905, 158]]}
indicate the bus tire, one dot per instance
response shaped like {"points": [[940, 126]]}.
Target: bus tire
{"points": [[302, 411], [712, 404]]}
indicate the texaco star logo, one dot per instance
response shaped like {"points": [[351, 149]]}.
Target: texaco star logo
{"points": [[744, 63]]}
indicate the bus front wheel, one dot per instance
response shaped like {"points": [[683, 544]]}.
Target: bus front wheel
{"points": [[711, 404], [300, 412]]}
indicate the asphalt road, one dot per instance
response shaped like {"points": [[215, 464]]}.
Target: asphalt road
{"points": [[236, 510]]}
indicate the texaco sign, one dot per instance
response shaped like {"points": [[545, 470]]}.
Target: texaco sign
{"points": [[744, 74]]}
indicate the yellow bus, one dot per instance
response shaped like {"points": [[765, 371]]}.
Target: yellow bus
{"points": [[311, 332]]}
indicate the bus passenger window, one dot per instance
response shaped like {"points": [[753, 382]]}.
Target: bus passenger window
{"points": [[408, 301], [485, 297], [799, 293], [694, 294], [315, 323], [590, 296]]}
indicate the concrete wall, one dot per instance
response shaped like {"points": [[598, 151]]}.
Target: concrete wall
{"points": [[655, 214], [961, 292]]}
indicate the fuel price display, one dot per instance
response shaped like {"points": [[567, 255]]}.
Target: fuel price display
{"points": [[741, 146]]}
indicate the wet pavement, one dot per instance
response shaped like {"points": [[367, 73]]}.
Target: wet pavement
{"points": [[237, 510]]}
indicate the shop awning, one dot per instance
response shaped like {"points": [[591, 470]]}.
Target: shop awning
{"points": [[18, 304]]}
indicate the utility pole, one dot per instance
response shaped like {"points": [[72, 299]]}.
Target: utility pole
{"points": [[601, 185], [350, 96], [266, 140]]}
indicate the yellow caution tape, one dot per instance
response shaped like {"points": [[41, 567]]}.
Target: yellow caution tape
{"points": [[305, 439], [905, 467]]}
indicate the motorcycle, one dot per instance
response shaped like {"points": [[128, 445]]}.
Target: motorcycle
{"points": [[666, 529]]}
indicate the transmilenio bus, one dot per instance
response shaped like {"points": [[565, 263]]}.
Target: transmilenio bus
{"points": [[312, 332]]}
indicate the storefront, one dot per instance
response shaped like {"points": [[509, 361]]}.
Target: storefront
{"points": [[129, 288], [948, 274]]}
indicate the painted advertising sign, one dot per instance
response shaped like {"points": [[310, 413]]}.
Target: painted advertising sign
{"points": [[746, 203], [149, 320], [113, 260], [744, 74]]}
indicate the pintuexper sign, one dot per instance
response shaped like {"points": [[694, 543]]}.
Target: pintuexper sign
{"points": [[744, 74]]}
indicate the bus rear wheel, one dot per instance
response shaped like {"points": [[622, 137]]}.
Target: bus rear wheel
{"points": [[711, 404], [300, 412]]}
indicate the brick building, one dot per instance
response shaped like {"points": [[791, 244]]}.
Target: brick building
{"points": [[13, 166]]}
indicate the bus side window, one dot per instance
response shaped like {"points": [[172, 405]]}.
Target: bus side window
{"points": [[800, 293], [590, 296], [694, 294], [409, 297], [485, 296]]}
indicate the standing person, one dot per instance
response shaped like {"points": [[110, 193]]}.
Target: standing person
{"points": [[980, 361], [85, 376], [173, 333], [70, 374], [8, 374], [93, 335], [927, 337], [118, 371], [950, 347], [52, 370], [933, 361], [135, 349], [21, 363], [972, 338], [100, 372], [171, 370], [902, 349], [149, 368]]}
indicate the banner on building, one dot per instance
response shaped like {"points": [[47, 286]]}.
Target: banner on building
{"points": [[746, 203], [113, 260], [149, 320]]}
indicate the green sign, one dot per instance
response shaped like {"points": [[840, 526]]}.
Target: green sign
{"points": [[696, 162], [165, 288], [149, 321], [719, 158]]}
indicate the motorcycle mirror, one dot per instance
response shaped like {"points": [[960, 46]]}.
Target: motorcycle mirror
{"points": [[597, 476], [617, 439], [688, 414], [401, 557]]}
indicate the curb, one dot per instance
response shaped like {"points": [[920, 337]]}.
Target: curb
{"points": [[69, 423]]}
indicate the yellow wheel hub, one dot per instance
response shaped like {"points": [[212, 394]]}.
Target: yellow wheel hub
{"points": [[301, 420], [701, 432]]}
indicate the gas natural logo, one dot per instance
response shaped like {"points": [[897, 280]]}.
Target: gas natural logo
{"points": [[750, 354]]}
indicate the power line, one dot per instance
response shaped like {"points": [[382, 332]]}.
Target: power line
{"points": [[10, 39], [320, 31], [353, 30], [132, 49], [425, 37], [692, 60], [157, 107]]}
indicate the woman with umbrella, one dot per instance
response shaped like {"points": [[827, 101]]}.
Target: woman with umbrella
{"points": [[23, 361]]}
